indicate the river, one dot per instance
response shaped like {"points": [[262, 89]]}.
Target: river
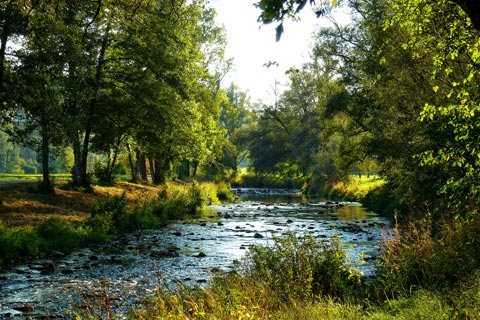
{"points": [[186, 251]]}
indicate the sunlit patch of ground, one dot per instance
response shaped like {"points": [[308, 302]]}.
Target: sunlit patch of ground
{"points": [[20, 205]]}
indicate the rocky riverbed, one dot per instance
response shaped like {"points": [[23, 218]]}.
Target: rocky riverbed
{"points": [[189, 252]]}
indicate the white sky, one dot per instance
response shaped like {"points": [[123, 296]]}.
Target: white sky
{"points": [[252, 45]]}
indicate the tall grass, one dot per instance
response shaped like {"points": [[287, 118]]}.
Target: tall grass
{"points": [[355, 189], [177, 201], [416, 257], [17, 242]]}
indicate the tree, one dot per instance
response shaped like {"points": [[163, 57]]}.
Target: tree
{"points": [[289, 137], [386, 87], [444, 28], [237, 120], [115, 76], [168, 85]]}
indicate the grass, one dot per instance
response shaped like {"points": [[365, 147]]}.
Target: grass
{"points": [[355, 189], [33, 177], [22, 205]]}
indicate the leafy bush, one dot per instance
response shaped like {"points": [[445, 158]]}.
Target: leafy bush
{"points": [[141, 218], [104, 174], [176, 201], [17, 242], [382, 201], [208, 194], [224, 193], [111, 216], [59, 234], [282, 281], [112, 212], [301, 268]]}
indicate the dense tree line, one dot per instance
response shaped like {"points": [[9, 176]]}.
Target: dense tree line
{"points": [[406, 97], [111, 77]]}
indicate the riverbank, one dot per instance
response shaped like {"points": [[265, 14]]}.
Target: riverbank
{"points": [[22, 205], [33, 224], [368, 190]]}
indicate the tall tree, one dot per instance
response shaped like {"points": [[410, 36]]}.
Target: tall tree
{"points": [[237, 120]]}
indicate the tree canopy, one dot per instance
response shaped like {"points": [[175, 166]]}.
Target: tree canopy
{"points": [[107, 76]]}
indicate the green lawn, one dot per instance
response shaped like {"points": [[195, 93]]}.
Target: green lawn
{"points": [[32, 177]]}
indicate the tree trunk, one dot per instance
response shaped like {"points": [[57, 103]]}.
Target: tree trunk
{"points": [[46, 183], [77, 164], [159, 167], [133, 168], [152, 169], [91, 108], [3, 45], [141, 166], [159, 174], [183, 170], [195, 168], [115, 157]]}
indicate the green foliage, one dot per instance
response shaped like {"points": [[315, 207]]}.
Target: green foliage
{"points": [[112, 212], [293, 279], [465, 298], [382, 201], [17, 243], [104, 174], [442, 28], [224, 193], [67, 86], [177, 201], [420, 305], [301, 268], [141, 218], [288, 134], [60, 235], [238, 122], [269, 181], [111, 216], [355, 189], [417, 256]]}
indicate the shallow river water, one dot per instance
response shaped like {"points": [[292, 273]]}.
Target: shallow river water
{"points": [[186, 251]]}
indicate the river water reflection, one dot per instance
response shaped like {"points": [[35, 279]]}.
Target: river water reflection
{"points": [[186, 251]]}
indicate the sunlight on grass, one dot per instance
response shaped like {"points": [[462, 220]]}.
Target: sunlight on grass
{"points": [[356, 188], [32, 177]]}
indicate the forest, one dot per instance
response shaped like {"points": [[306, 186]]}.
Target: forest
{"points": [[134, 87]]}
